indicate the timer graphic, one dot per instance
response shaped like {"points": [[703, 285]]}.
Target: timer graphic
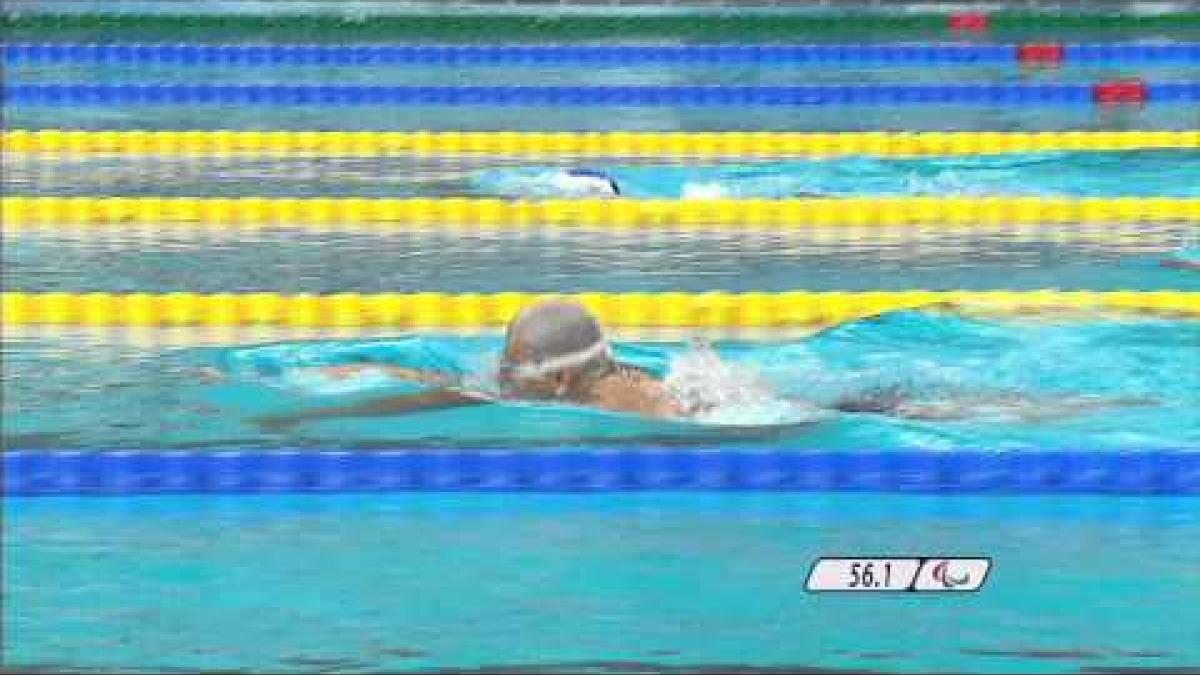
{"points": [[884, 574]]}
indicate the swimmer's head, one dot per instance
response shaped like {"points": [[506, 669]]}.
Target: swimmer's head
{"points": [[552, 348], [594, 182]]}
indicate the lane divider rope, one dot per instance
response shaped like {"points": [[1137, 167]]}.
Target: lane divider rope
{"points": [[398, 214], [619, 310], [198, 54], [541, 26], [114, 472], [639, 96], [593, 144]]}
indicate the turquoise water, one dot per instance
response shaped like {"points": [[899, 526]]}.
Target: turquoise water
{"points": [[1137, 173], [604, 583], [1047, 174], [1000, 375]]}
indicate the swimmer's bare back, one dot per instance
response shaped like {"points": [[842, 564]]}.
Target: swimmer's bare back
{"points": [[633, 391]]}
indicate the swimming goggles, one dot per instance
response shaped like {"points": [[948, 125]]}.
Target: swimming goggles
{"points": [[554, 364]]}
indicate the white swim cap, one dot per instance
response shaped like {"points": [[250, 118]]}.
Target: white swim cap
{"points": [[554, 335]]}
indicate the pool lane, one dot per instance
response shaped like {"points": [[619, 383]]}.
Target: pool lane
{"points": [[199, 54], [72, 389], [1063, 173], [862, 259]]}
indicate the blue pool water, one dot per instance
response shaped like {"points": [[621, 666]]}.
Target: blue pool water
{"points": [[1008, 377], [603, 583]]}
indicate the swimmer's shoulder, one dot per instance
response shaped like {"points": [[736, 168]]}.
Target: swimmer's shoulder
{"points": [[631, 389]]}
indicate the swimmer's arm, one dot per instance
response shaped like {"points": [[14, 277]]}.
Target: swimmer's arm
{"points": [[381, 407], [396, 372], [213, 375]]}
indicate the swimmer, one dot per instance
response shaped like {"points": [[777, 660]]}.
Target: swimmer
{"points": [[594, 182], [556, 350]]}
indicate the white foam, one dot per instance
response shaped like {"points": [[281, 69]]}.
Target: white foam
{"points": [[723, 393], [314, 381], [704, 191]]}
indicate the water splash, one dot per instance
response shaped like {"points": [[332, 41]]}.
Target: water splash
{"points": [[705, 190], [726, 393]]}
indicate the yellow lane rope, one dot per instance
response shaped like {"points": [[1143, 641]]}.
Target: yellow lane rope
{"points": [[599, 144], [417, 310], [18, 212]]}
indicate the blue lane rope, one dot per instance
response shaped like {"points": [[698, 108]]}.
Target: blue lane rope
{"points": [[200, 94], [458, 55], [1179, 52], [35, 472]]}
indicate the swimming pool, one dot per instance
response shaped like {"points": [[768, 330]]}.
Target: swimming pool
{"points": [[168, 287], [602, 583]]}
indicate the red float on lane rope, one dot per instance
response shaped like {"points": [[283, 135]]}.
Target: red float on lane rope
{"points": [[1041, 54], [1121, 92], [969, 22]]}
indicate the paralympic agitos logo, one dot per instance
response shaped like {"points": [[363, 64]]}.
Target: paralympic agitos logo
{"points": [[941, 574]]}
